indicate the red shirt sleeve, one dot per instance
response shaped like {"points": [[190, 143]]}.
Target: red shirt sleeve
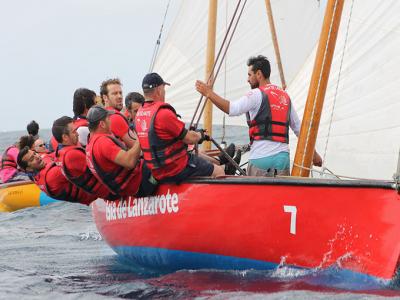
{"points": [[108, 150], [119, 127], [167, 124], [78, 167]]}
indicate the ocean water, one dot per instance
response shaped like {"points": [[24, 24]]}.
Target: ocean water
{"points": [[56, 252]]}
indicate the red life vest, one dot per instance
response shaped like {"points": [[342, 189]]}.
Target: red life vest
{"points": [[118, 113], [86, 181], [115, 181], [157, 153], [7, 161], [127, 115], [69, 192], [80, 121], [273, 118], [53, 145]]}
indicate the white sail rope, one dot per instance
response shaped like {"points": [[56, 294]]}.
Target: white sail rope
{"points": [[337, 85], [225, 63], [319, 83]]}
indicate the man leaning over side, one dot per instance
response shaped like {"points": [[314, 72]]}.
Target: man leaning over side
{"points": [[72, 159], [49, 178]]}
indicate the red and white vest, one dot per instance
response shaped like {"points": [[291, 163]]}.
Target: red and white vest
{"points": [[273, 118], [157, 152]]}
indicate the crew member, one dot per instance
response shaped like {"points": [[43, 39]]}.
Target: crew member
{"points": [[270, 113], [83, 100], [164, 138], [72, 159], [133, 101], [111, 93], [48, 176], [120, 170], [33, 129]]}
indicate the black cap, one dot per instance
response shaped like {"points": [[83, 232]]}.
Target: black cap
{"points": [[97, 113], [152, 80]]}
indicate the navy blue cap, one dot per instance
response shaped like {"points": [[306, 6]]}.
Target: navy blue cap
{"points": [[152, 80]]}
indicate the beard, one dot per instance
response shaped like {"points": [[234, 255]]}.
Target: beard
{"points": [[254, 85]]}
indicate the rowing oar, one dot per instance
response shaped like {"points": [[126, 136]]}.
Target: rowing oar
{"points": [[234, 163]]}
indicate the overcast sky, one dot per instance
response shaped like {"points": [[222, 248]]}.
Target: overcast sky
{"points": [[48, 48]]}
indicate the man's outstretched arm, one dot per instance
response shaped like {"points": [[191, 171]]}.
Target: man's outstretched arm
{"points": [[207, 92]]}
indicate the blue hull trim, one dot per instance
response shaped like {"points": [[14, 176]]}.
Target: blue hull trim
{"points": [[44, 199], [172, 260]]}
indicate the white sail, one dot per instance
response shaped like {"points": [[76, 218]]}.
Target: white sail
{"points": [[182, 57], [364, 139]]}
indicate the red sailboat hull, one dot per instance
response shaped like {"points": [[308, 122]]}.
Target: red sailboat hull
{"points": [[236, 223]]}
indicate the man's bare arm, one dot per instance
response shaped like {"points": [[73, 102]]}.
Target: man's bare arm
{"points": [[191, 137], [207, 92], [129, 138], [128, 159]]}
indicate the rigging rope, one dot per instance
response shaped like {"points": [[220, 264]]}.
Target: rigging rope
{"points": [[158, 42], [223, 116], [219, 67], [337, 85], [214, 65], [319, 85]]}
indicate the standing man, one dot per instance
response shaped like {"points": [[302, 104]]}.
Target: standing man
{"points": [[133, 101], [269, 114], [72, 159], [111, 93], [164, 138], [83, 100], [120, 170]]}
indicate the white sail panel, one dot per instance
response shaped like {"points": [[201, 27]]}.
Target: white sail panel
{"points": [[182, 57], [364, 139]]}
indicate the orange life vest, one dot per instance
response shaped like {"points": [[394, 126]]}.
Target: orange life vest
{"points": [[273, 118], [156, 152]]}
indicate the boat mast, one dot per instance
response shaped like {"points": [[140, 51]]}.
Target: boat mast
{"points": [[316, 93], [275, 42], [210, 57]]}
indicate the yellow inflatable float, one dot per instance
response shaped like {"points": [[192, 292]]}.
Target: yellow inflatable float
{"points": [[21, 194]]}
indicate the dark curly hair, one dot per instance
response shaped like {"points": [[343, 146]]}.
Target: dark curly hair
{"points": [[261, 63]]}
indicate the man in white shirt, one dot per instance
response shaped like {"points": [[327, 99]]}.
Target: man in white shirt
{"points": [[269, 114]]}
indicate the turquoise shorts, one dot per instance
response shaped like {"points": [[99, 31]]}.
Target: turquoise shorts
{"points": [[279, 161]]}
